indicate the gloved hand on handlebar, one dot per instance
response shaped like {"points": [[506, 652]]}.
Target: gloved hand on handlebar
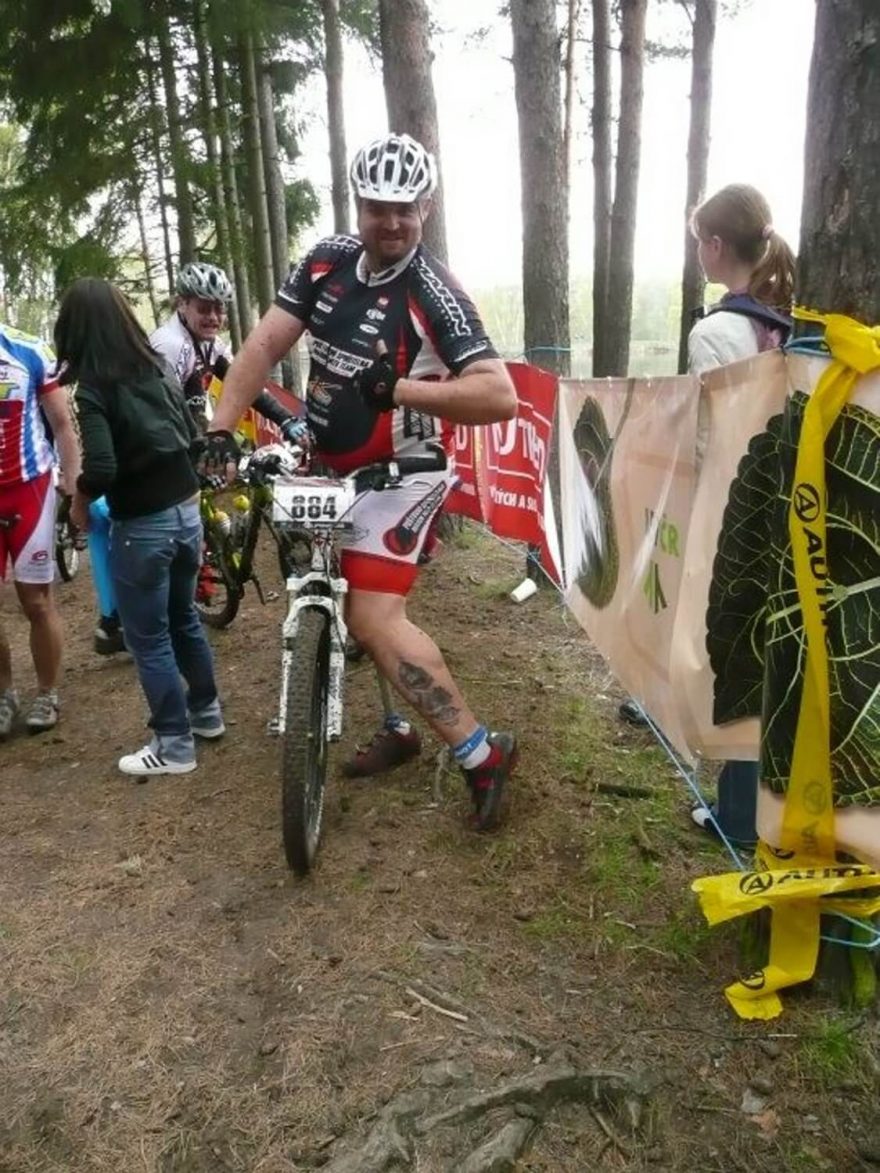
{"points": [[376, 384], [294, 430], [216, 456]]}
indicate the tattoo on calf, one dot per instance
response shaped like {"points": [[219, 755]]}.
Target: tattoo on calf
{"points": [[430, 699]]}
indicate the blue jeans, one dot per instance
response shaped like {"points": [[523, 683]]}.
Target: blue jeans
{"points": [[737, 806], [99, 556], [154, 561]]}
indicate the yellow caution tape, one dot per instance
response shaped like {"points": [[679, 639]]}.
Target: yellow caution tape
{"points": [[798, 895]]}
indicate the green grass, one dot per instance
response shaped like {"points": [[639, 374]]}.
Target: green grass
{"points": [[832, 1050]]}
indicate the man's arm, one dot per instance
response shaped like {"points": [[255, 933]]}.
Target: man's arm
{"points": [[482, 394], [57, 409], [272, 337]]}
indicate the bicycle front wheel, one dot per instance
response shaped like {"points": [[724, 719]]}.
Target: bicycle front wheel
{"points": [[66, 544], [304, 748], [218, 592]]}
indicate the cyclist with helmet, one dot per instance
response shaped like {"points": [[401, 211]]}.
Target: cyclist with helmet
{"points": [[189, 343], [398, 356], [31, 403]]}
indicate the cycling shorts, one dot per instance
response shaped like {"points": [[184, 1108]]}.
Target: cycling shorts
{"points": [[29, 543], [381, 553]]}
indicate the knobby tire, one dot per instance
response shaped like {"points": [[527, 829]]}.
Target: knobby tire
{"points": [[66, 550], [304, 749], [222, 607]]}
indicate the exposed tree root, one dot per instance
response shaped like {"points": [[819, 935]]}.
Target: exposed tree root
{"points": [[391, 1143]]}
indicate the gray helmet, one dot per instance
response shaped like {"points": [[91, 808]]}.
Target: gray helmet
{"points": [[394, 169], [198, 279]]}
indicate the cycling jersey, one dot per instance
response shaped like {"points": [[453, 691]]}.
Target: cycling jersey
{"points": [[183, 352], [427, 322], [26, 375]]}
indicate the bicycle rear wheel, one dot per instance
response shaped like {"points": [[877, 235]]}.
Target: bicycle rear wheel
{"points": [[304, 748], [218, 592]]}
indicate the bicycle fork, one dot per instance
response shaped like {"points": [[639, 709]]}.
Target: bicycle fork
{"points": [[334, 605]]}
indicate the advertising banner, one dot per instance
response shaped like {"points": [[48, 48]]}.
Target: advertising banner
{"points": [[628, 472], [736, 403]]}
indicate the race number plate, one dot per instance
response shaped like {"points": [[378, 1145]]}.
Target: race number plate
{"points": [[311, 502]]}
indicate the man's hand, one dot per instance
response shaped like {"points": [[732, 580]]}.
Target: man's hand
{"points": [[376, 384], [294, 430], [79, 511], [216, 456]]}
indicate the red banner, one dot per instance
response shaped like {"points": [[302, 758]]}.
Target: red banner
{"points": [[503, 468]]}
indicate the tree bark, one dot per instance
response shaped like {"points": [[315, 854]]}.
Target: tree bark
{"points": [[257, 202], [333, 70], [230, 191], [839, 262], [409, 93], [602, 188], [626, 185], [209, 128], [186, 236], [145, 253], [536, 67], [158, 165], [570, 39], [692, 280]]}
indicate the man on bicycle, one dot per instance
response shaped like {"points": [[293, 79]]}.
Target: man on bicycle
{"points": [[387, 327], [29, 399]]}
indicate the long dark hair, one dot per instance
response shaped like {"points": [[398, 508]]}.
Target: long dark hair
{"points": [[97, 337], [740, 216]]}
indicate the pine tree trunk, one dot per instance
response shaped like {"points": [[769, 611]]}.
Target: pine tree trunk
{"points": [[692, 282], [275, 198], [257, 202], [536, 67], [230, 191], [145, 253], [333, 70], [186, 236], [602, 193], [839, 260], [155, 122], [570, 39], [626, 185], [209, 130], [409, 93]]}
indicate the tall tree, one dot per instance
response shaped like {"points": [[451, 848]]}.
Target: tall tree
{"points": [[275, 198], [602, 176], [409, 92], [209, 124], [257, 202], [839, 261], [230, 187], [536, 66], [333, 70], [703, 40], [626, 186], [180, 166]]}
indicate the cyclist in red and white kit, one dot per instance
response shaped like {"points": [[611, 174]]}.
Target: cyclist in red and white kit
{"points": [[388, 325], [29, 398]]}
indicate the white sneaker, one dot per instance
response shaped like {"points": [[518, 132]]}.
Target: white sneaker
{"points": [[9, 710], [149, 761], [43, 713]]}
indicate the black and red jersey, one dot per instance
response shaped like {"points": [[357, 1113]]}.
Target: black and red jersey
{"points": [[427, 322]]}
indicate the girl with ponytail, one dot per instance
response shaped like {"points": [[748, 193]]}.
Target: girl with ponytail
{"points": [[738, 247]]}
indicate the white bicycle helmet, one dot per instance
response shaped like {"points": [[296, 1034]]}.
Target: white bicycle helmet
{"points": [[394, 169], [198, 279]]}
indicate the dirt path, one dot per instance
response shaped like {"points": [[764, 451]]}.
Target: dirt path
{"points": [[172, 1000]]}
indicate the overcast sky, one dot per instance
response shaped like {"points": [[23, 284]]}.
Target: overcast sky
{"points": [[762, 58]]}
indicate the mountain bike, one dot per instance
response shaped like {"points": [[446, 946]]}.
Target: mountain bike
{"points": [[230, 543], [68, 540], [311, 513]]}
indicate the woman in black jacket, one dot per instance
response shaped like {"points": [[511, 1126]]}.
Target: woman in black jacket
{"points": [[136, 432]]}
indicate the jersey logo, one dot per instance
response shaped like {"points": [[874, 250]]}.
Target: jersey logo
{"points": [[402, 538], [6, 389]]}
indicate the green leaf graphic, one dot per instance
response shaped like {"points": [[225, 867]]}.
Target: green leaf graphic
{"points": [[599, 564], [745, 624]]}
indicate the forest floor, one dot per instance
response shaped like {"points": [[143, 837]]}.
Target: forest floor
{"points": [[173, 1000]]}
